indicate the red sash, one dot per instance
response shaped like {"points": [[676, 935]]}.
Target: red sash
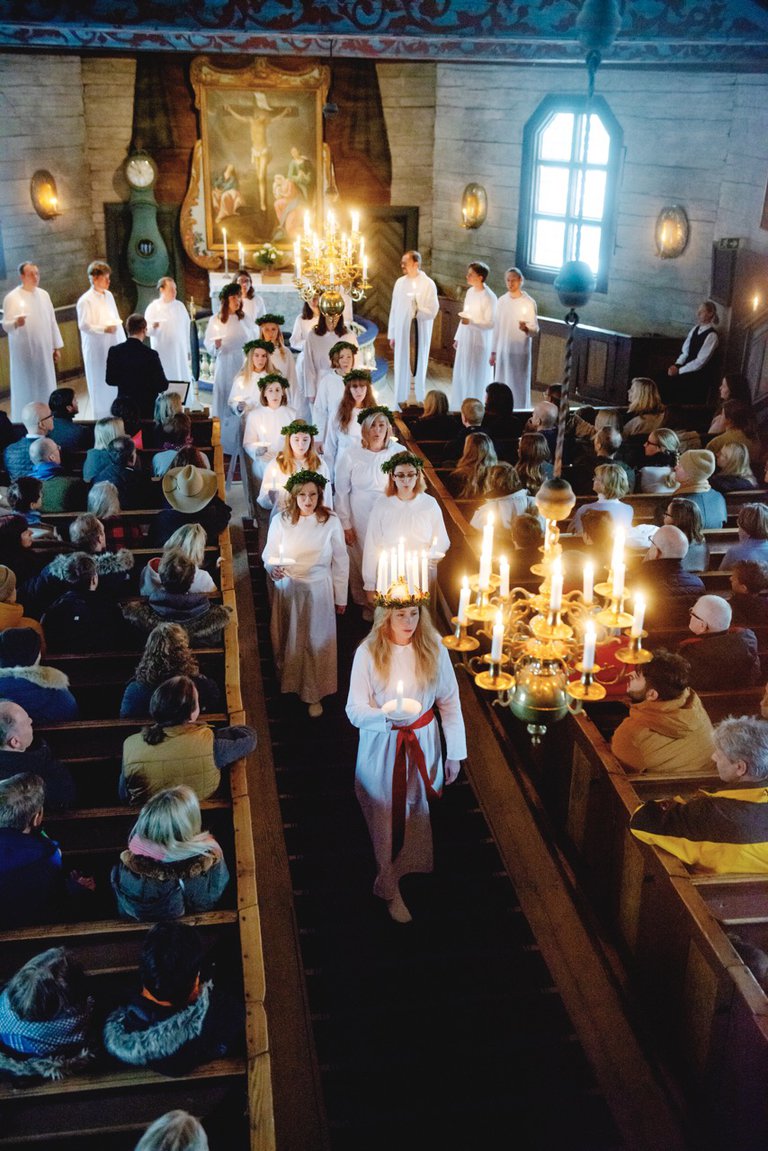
{"points": [[408, 753]]}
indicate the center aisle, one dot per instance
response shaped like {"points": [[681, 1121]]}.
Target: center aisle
{"points": [[448, 1032]]}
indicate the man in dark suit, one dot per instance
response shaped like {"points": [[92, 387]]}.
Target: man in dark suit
{"points": [[70, 437], [135, 369]]}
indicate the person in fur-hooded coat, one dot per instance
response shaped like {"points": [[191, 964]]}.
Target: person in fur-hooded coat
{"points": [[113, 568], [43, 692]]}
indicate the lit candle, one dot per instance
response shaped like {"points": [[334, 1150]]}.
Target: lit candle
{"points": [[638, 617], [54, 204], [484, 578], [330, 273], [240, 256], [556, 587], [463, 601], [618, 581], [401, 558], [589, 582], [588, 655], [424, 572], [393, 565], [381, 574], [498, 638], [755, 302], [226, 251], [355, 222], [504, 574], [617, 556], [274, 480], [399, 700], [365, 269]]}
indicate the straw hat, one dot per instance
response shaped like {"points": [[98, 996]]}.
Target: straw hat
{"points": [[189, 489]]}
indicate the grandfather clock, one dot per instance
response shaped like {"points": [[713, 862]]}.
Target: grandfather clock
{"points": [[147, 252]]}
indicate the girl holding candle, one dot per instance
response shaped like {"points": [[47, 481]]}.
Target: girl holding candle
{"points": [[403, 511], [471, 371], [225, 337], [309, 593], [514, 325], [303, 325], [330, 386], [344, 429], [327, 332], [399, 765], [262, 438], [359, 483], [282, 360], [252, 304], [244, 393], [298, 454]]}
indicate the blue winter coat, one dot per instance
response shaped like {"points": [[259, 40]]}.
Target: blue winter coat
{"points": [[43, 692]]}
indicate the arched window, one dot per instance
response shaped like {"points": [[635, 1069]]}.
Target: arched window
{"points": [[568, 187]]}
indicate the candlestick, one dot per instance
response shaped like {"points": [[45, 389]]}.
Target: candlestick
{"points": [[401, 558], [618, 581], [617, 556], [504, 575], [498, 639], [638, 617], [556, 587], [590, 639], [399, 693], [226, 251], [589, 582], [463, 602], [424, 572], [355, 222], [381, 574]]}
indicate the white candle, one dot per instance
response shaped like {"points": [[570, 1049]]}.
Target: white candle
{"points": [[355, 222], [274, 480], [589, 582], [306, 224], [485, 571], [638, 617], [498, 638], [226, 251], [362, 248], [504, 574], [330, 273], [424, 572], [381, 574], [556, 586], [463, 601], [401, 558], [618, 581], [393, 565], [241, 256], [617, 556], [399, 700], [365, 269], [755, 302], [588, 655]]}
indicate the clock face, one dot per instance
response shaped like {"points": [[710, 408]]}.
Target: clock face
{"points": [[139, 172]]}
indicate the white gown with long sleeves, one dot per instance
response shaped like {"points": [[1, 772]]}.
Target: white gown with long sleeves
{"points": [[411, 296], [284, 362], [234, 335], [301, 330], [512, 347], [30, 347], [274, 497], [317, 359], [303, 624], [338, 440], [330, 389], [418, 521], [171, 340], [253, 309], [359, 482], [262, 425], [374, 770], [471, 370], [95, 312]]}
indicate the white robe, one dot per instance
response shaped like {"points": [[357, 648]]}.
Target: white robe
{"points": [[301, 330], [330, 389], [419, 521], [376, 757], [262, 425], [317, 360], [303, 624], [471, 370], [411, 295], [229, 360], [512, 347], [95, 312], [274, 497], [359, 481], [283, 361], [30, 347], [338, 441], [171, 340], [253, 309]]}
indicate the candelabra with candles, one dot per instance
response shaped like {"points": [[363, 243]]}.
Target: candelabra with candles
{"points": [[534, 651], [328, 262]]}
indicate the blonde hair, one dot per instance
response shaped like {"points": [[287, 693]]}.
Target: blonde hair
{"points": [[425, 643], [735, 457], [644, 396], [472, 471], [611, 480], [435, 403], [104, 500], [167, 404], [533, 454], [190, 540], [107, 430], [608, 418], [367, 425], [248, 371], [287, 461], [171, 819]]}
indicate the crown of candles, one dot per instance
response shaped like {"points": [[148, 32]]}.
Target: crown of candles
{"points": [[404, 569], [400, 595]]}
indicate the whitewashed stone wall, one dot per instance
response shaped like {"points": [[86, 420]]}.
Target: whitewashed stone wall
{"points": [[108, 87], [697, 139], [408, 100]]}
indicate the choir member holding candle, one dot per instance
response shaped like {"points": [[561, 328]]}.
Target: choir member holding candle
{"points": [[303, 325], [282, 360], [252, 304], [262, 438], [225, 338], [405, 511], [344, 427], [327, 332], [297, 454], [306, 557], [330, 386], [399, 764], [359, 482], [513, 328]]}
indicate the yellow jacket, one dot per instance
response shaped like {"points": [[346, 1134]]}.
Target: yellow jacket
{"points": [[186, 755], [12, 615], [669, 737]]}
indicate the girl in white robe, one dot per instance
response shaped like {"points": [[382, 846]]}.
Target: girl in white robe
{"points": [[100, 329], [343, 428], [359, 483], [169, 333], [471, 367], [271, 328], [253, 304], [263, 439], [303, 325], [394, 791], [309, 593], [225, 337], [405, 511], [245, 395], [298, 454], [330, 386], [317, 346], [516, 322]]}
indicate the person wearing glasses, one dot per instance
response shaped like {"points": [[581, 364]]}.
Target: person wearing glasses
{"points": [[100, 329], [661, 451], [406, 512], [38, 420], [669, 589], [714, 649]]}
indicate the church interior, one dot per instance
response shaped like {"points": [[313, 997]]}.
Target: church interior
{"points": [[562, 984]]}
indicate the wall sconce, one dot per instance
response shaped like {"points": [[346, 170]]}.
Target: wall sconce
{"points": [[44, 193], [672, 232], [474, 206]]}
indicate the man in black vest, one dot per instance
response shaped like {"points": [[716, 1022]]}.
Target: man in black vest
{"points": [[695, 369], [135, 369]]}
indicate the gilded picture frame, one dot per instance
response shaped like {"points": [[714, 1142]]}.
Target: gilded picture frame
{"points": [[261, 158]]}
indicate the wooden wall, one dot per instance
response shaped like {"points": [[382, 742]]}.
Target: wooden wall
{"points": [[408, 94]]}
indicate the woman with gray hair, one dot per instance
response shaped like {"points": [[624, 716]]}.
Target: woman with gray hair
{"points": [[174, 1131]]}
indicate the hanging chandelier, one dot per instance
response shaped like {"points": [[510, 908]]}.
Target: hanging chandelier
{"points": [[331, 262]]}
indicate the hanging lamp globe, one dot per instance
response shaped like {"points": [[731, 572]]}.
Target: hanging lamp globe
{"points": [[331, 303], [575, 284]]}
